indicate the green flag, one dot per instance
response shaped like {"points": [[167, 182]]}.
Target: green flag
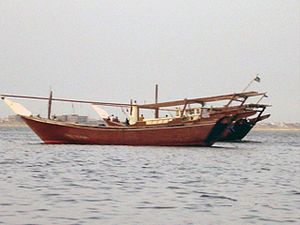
{"points": [[257, 78]]}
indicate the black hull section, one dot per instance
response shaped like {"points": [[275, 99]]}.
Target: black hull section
{"points": [[239, 130], [218, 130]]}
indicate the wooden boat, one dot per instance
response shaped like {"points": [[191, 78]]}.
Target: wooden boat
{"points": [[190, 126], [176, 131]]}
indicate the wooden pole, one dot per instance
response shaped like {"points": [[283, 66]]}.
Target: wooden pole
{"points": [[49, 104], [130, 107], [156, 101], [261, 98], [184, 107], [66, 100]]}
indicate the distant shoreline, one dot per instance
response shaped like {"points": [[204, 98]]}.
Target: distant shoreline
{"points": [[276, 129], [13, 125]]}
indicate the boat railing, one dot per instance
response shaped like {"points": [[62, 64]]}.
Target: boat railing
{"points": [[155, 121]]}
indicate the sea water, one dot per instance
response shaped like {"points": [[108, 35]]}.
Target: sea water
{"points": [[256, 181]]}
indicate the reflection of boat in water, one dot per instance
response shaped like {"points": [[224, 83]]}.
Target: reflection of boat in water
{"points": [[191, 126]]}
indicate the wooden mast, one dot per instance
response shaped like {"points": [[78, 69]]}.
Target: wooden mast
{"points": [[184, 107], [50, 104], [156, 101]]}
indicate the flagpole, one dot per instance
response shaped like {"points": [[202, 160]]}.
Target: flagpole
{"points": [[248, 85], [254, 79]]}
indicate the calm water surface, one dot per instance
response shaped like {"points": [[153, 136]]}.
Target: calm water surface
{"points": [[253, 182]]}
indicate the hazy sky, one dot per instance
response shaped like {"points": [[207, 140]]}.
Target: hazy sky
{"points": [[117, 50]]}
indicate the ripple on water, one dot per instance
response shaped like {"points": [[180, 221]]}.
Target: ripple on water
{"points": [[217, 197]]}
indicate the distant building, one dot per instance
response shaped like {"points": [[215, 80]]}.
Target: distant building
{"points": [[278, 126], [74, 118]]}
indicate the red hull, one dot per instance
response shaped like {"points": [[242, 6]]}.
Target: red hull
{"points": [[201, 134]]}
